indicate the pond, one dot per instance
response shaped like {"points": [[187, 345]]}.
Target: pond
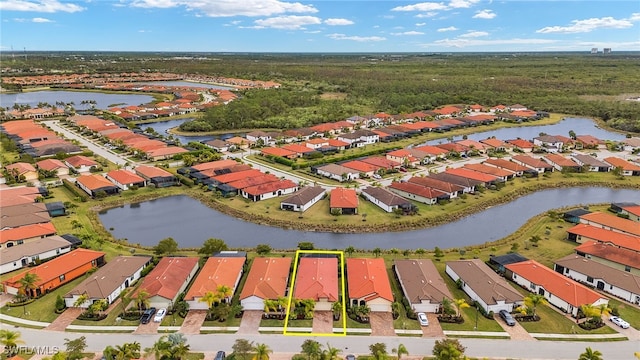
{"points": [[103, 101], [190, 223], [163, 126]]}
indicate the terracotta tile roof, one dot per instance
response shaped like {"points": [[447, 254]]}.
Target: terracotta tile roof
{"points": [[635, 209], [94, 181], [343, 198], [453, 147], [412, 188], [317, 278], [421, 281], [381, 162], [51, 164], [613, 222], [152, 171], [430, 182], [216, 271], [624, 164], [472, 143], [491, 170], [337, 143], [297, 148], [360, 166], [27, 232], [494, 143], [561, 160], [610, 252], [53, 268], [367, 279], [267, 279], [433, 150], [531, 161], [557, 284], [166, 151], [21, 168], [258, 180], [470, 174], [589, 140], [276, 151], [521, 143], [80, 160], [166, 278], [485, 282], [447, 110], [596, 270], [235, 176], [318, 141], [124, 177], [270, 187], [506, 164], [218, 164]]}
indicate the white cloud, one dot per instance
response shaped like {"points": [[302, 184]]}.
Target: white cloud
{"points": [[41, 20], [484, 14], [408, 33], [634, 17], [335, 22], [290, 22], [450, 28], [461, 43], [462, 3], [227, 8], [313, 32], [356, 38], [142, 31], [46, 6], [474, 34], [19, 20], [588, 25], [421, 24], [429, 14], [425, 6]]}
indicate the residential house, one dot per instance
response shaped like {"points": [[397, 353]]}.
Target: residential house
{"points": [[337, 144], [549, 143], [108, 282], [268, 279], [604, 278], [235, 187], [239, 143], [632, 212], [168, 280], [417, 192], [303, 199], [589, 142], [269, 190], [484, 178], [364, 168], [610, 255], [24, 214], [156, 176], [23, 171], [24, 234], [344, 201], [80, 163], [318, 143], [560, 162], [300, 150], [421, 284], [217, 271], [259, 137], [499, 262], [584, 232], [496, 144], [337, 172], [54, 166], [58, 271], [518, 169], [381, 162], [235, 176], [18, 257], [473, 145], [454, 149], [611, 222], [561, 292], [164, 153], [403, 157], [628, 168], [483, 285], [468, 184], [56, 208], [317, 279], [533, 163], [433, 152], [94, 184], [368, 284], [502, 174], [280, 152], [125, 179], [631, 144], [451, 190], [521, 145], [387, 200], [591, 163], [218, 145]]}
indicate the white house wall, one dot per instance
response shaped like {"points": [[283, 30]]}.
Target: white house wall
{"points": [[381, 205], [15, 265], [415, 197], [252, 303], [608, 288]]}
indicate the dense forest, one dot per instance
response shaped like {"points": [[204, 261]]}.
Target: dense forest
{"points": [[320, 88]]}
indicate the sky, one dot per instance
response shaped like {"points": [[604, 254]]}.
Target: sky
{"points": [[319, 26]]}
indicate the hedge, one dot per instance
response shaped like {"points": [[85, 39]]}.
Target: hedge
{"points": [[75, 190], [185, 180]]}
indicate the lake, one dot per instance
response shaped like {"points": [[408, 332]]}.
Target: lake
{"points": [[103, 101], [190, 223]]}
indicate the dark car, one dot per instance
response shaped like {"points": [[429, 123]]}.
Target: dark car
{"points": [[147, 315], [220, 355], [504, 314]]}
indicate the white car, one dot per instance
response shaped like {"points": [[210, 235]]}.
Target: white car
{"points": [[618, 321], [160, 315], [422, 319]]}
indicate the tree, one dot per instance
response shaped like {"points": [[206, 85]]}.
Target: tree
{"points": [[28, 283], [330, 353], [401, 350], [378, 350], [350, 250], [166, 246], [262, 352], [171, 347], [263, 249], [209, 298], [312, 349], [437, 252], [460, 304], [142, 299], [109, 353], [224, 292], [447, 307], [75, 348], [242, 348], [127, 351], [212, 246], [533, 300], [81, 300], [448, 349], [10, 340], [306, 245], [572, 134], [590, 354], [377, 251]]}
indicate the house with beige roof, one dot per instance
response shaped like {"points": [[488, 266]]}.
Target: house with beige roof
{"points": [[303, 199], [168, 279], [268, 279], [421, 284], [22, 170], [483, 285], [53, 165]]}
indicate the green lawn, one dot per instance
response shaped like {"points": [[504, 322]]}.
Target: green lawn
{"points": [[351, 324], [627, 311]]}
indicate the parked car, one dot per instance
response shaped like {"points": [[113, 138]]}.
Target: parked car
{"points": [[350, 357], [504, 314], [618, 321], [160, 315], [220, 355], [422, 319], [376, 176], [147, 315]]}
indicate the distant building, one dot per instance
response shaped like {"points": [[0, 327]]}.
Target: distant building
{"points": [[594, 50], [606, 51]]}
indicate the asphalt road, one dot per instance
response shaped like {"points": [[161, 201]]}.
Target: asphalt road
{"points": [[481, 348]]}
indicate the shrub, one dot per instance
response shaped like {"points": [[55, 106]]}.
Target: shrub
{"points": [[78, 193]]}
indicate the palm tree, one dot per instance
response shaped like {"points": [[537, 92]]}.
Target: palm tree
{"points": [[533, 300], [224, 292], [590, 354], [209, 297], [330, 353], [28, 283], [10, 340], [127, 351], [401, 350], [311, 348], [605, 310], [142, 299], [262, 352], [460, 304], [81, 300], [336, 308]]}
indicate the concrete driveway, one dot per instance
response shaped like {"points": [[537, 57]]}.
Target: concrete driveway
{"points": [[193, 322], [434, 329], [631, 333], [65, 319], [516, 332], [322, 322], [381, 323], [148, 328], [250, 322]]}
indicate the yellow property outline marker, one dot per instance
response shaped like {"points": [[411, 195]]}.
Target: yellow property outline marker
{"points": [[343, 294]]}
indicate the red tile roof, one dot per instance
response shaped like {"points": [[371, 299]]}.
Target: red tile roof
{"points": [[624, 164], [51, 164], [258, 180], [416, 189], [607, 236], [506, 164], [152, 171], [276, 151], [317, 278], [531, 161], [239, 175], [635, 210], [168, 276], [561, 160], [267, 279], [343, 198], [20, 167], [433, 150], [216, 271], [337, 143], [124, 177], [557, 284], [297, 148], [382, 162], [491, 170], [218, 164], [27, 232], [368, 279], [470, 174], [610, 252], [270, 187], [166, 151], [80, 160], [613, 222], [94, 181], [522, 144], [360, 166]]}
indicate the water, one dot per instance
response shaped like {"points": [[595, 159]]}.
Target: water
{"points": [[103, 101], [190, 223], [185, 84], [162, 127]]}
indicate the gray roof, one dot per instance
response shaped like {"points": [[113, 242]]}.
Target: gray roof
{"points": [[590, 160], [485, 282], [507, 259], [108, 278], [596, 270], [385, 196], [32, 248], [421, 280], [304, 195]]}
